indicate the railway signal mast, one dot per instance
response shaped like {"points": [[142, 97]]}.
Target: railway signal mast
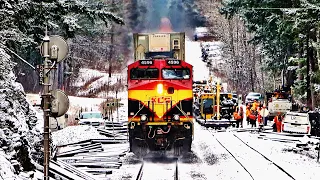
{"points": [[55, 103]]}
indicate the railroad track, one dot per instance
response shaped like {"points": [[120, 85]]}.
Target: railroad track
{"points": [[257, 165], [148, 169]]}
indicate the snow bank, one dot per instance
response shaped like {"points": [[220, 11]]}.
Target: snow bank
{"points": [[20, 140], [99, 81], [73, 134], [6, 168], [299, 165], [193, 57], [87, 74]]}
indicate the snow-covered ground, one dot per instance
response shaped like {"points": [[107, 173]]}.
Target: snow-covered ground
{"points": [[302, 165], [74, 134], [91, 81], [193, 56]]}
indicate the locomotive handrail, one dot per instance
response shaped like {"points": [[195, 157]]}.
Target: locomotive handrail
{"points": [[136, 113], [182, 111]]}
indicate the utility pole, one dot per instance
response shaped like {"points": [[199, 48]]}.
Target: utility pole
{"points": [[46, 101]]}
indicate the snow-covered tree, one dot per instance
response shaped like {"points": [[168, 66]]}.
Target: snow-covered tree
{"points": [[23, 23], [20, 136]]}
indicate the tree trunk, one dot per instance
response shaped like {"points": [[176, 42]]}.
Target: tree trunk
{"points": [[111, 50], [236, 69], [312, 70], [232, 49], [262, 73], [110, 58], [318, 43], [300, 64], [309, 100]]}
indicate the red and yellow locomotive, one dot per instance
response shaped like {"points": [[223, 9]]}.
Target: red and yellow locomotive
{"points": [[160, 95]]}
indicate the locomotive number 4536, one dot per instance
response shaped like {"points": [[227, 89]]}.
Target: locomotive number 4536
{"points": [[161, 99]]}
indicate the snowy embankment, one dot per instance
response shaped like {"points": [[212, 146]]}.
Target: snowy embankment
{"points": [[20, 137], [193, 57], [74, 134], [92, 82], [300, 166]]}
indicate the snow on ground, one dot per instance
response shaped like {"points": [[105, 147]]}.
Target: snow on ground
{"points": [[193, 57], [73, 134], [86, 74], [99, 80], [75, 103], [209, 160], [300, 166], [129, 169], [6, 169], [165, 170]]}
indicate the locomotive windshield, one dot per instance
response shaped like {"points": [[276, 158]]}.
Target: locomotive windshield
{"points": [[147, 73], [175, 73]]}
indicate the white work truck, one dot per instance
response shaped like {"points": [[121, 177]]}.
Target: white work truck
{"points": [[278, 105]]}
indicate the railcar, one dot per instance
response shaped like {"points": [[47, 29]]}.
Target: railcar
{"points": [[160, 96]]}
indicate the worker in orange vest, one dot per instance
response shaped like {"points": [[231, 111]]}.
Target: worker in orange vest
{"points": [[259, 116], [238, 116], [253, 118], [278, 122], [255, 105], [247, 114]]}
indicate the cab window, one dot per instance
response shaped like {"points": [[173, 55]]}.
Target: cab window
{"points": [[176, 73], [207, 103], [147, 73]]}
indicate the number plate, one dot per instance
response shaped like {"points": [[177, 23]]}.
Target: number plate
{"points": [[41, 74], [173, 62], [146, 62]]}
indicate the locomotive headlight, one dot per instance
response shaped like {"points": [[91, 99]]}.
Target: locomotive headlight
{"points": [[143, 118], [160, 88], [176, 117]]}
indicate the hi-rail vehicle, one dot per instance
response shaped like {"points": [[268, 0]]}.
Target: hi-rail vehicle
{"points": [[160, 116]]}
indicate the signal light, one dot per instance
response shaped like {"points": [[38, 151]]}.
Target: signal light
{"points": [[160, 88]]}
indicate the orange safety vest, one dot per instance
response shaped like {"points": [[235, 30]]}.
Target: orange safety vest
{"points": [[259, 118], [255, 105], [278, 123], [247, 112]]}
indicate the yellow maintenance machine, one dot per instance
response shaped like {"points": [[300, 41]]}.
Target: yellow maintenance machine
{"points": [[211, 106]]}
